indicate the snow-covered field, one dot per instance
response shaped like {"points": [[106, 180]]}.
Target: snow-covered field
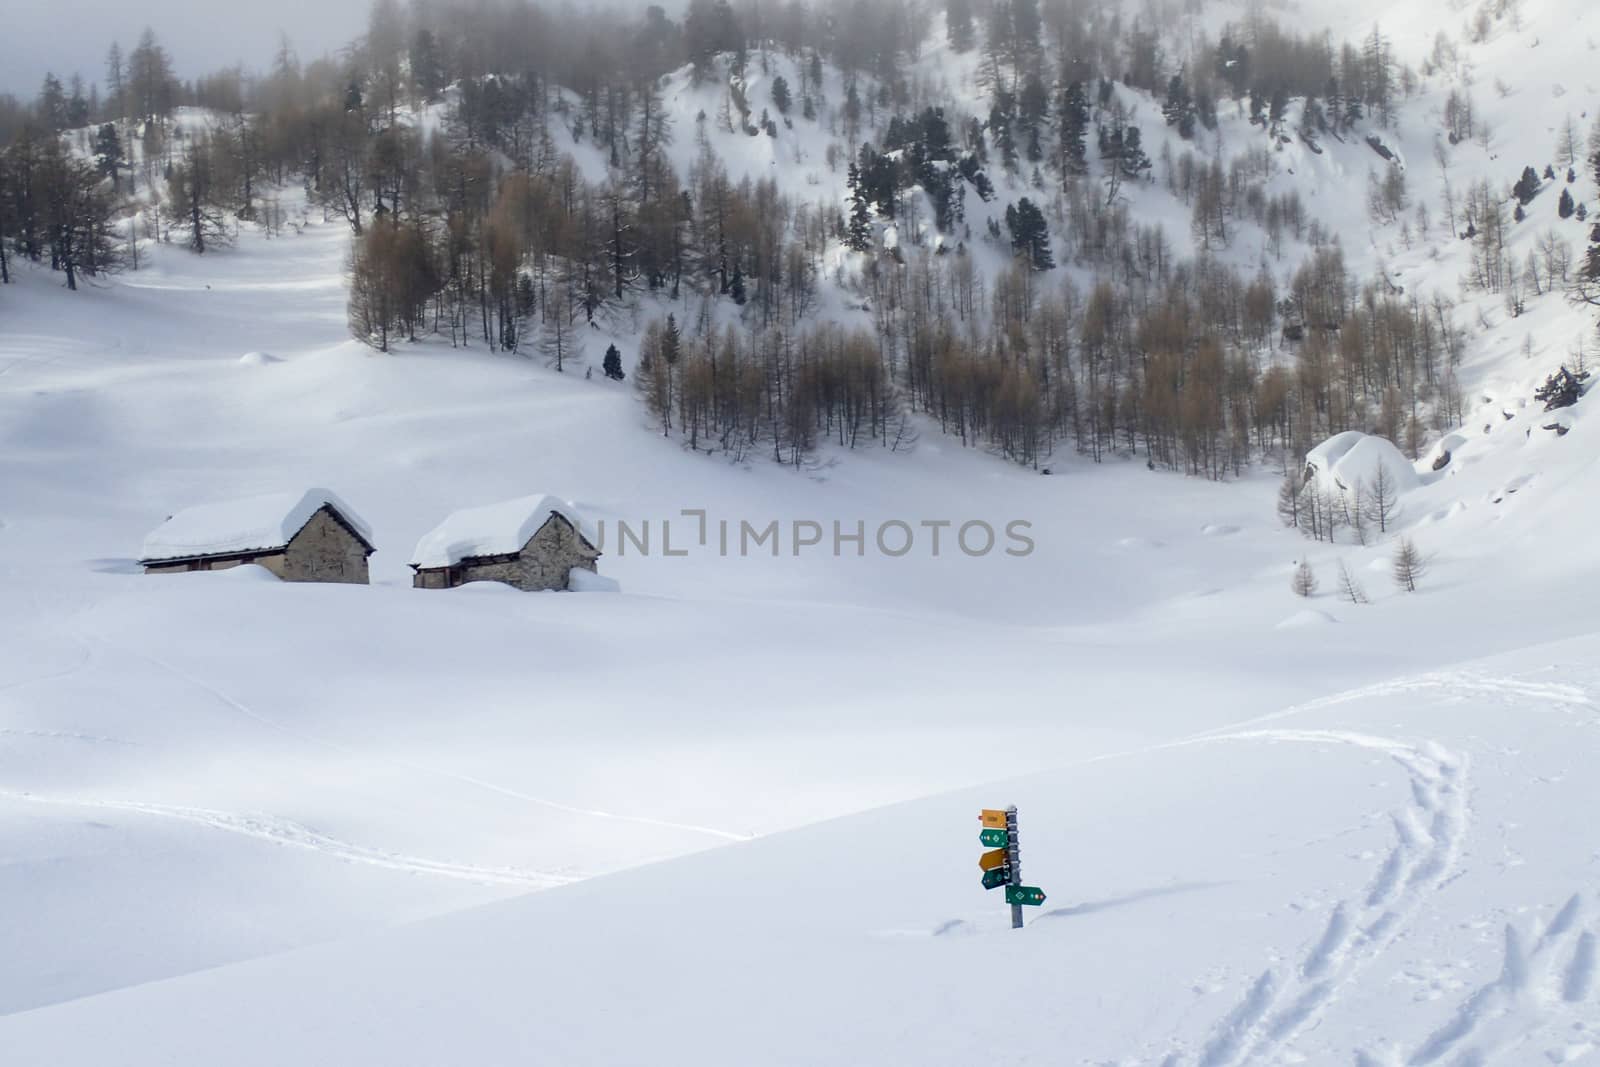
{"points": [[727, 815]]}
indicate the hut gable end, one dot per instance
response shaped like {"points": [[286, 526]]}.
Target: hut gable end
{"points": [[326, 549]]}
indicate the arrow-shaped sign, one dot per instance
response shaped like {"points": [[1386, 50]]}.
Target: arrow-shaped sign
{"points": [[990, 860], [993, 818], [993, 838], [996, 878], [1024, 894]]}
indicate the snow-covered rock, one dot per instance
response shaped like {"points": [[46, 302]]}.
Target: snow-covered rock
{"points": [[1347, 460]]}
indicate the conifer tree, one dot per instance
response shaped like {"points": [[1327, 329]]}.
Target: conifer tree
{"points": [[1074, 129], [1030, 234], [858, 235], [612, 364], [1178, 109]]}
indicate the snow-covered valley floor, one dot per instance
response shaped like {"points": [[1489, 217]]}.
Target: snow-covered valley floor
{"points": [[247, 822]]}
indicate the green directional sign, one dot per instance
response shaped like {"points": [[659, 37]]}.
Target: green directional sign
{"points": [[996, 878], [993, 838], [1024, 894]]}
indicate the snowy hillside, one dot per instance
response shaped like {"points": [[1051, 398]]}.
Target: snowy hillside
{"points": [[726, 815], [1418, 887]]}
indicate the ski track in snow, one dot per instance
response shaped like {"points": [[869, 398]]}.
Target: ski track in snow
{"points": [[1447, 683], [1287, 999], [476, 783], [286, 832], [65, 735], [1541, 997]]}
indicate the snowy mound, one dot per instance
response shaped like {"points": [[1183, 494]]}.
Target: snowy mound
{"points": [[258, 359], [494, 530], [253, 524], [1306, 617], [1347, 460], [584, 581]]}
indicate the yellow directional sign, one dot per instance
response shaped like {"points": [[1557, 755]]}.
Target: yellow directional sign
{"points": [[990, 860], [993, 818]]}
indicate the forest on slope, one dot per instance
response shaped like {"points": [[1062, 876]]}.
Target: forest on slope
{"points": [[1042, 223]]}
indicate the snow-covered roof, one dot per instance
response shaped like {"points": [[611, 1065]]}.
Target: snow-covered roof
{"points": [[254, 524], [1347, 459], [494, 530]]}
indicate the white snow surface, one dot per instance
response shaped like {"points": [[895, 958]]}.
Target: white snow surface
{"points": [[255, 523], [495, 530]]}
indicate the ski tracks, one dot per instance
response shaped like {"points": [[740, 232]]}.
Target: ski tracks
{"points": [[462, 779], [1286, 999], [1542, 997], [286, 832], [1518, 690]]}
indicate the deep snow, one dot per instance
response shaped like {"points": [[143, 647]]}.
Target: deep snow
{"points": [[205, 769]]}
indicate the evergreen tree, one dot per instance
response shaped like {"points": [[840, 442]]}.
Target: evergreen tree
{"points": [[1132, 158], [612, 364], [671, 342], [1074, 129], [1527, 186], [77, 105], [858, 235], [108, 154], [1565, 207], [427, 69], [780, 95], [1179, 109], [1030, 234], [53, 104]]}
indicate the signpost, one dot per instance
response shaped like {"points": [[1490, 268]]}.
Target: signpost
{"points": [[1003, 866]]}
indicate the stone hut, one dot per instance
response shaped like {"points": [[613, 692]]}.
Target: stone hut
{"points": [[301, 537], [532, 543]]}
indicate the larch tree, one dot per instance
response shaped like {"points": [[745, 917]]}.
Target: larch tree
{"points": [[1349, 586], [1407, 565], [1381, 499], [1304, 580]]}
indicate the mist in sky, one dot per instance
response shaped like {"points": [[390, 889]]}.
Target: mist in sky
{"points": [[71, 36]]}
